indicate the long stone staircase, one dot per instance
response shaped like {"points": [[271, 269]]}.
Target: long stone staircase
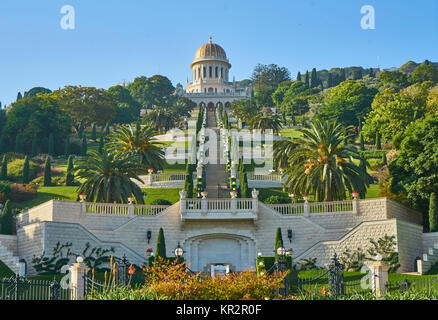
{"points": [[8, 258], [428, 260]]}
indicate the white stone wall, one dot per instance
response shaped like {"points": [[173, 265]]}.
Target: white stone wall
{"points": [[10, 243], [410, 244], [317, 235]]}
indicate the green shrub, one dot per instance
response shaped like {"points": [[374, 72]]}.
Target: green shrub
{"points": [[15, 170], [277, 200], [7, 220], [5, 187], [69, 177], [21, 193], [433, 213], [10, 156], [161, 245], [48, 173], [161, 202]]}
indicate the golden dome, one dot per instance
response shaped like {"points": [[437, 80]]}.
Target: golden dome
{"points": [[210, 50]]}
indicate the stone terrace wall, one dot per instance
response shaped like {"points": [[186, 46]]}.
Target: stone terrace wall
{"points": [[399, 211], [409, 242], [31, 240], [9, 243]]}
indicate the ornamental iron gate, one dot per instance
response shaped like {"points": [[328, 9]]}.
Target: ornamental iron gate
{"points": [[21, 288]]}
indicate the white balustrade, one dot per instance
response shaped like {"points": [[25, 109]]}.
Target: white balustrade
{"points": [[123, 209], [314, 207]]}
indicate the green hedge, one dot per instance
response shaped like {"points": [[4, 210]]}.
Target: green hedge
{"points": [[376, 154], [171, 259], [268, 263]]}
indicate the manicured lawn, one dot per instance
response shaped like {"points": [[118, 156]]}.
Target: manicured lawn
{"points": [[171, 195], [171, 168], [290, 133], [373, 191], [49, 193]]}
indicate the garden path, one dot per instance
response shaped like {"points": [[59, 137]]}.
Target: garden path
{"points": [[216, 177]]}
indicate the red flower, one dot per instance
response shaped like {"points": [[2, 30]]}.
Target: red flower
{"points": [[131, 270], [149, 250]]}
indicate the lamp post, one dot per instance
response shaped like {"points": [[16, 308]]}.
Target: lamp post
{"points": [[292, 196], [179, 252], [281, 265]]}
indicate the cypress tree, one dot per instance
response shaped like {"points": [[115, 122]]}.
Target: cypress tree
{"points": [[278, 242], [188, 184], [26, 170], [67, 149], [384, 161], [48, 173], [101, 144], [69, 178], [299, 76], [330, 81], [314, 80], [84, 146], [19, 96], [107, 128], [307, 79], [51, 149], [18, 144], [362, 143], [7, 221], [4, 172], [343, 76], [243, 185], [378, 142], [161, 245], [433, 213], [34, 150], [94, 133]]}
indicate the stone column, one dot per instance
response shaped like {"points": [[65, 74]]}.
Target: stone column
{"points": [[182, 196], [131, 210], [77, 282], [379, 272]]}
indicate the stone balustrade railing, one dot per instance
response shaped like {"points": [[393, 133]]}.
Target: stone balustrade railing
{"points": [[219, 208], [275, 177], [348, 206], [123, 209]]}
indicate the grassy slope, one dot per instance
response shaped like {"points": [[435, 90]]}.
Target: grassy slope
{"points": [[5, 272]]}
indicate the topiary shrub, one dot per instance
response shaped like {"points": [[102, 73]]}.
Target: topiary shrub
{"points": [[161, 245], [277, 200], [161, 202], [15, 170], [7, 220], [21, 193]]}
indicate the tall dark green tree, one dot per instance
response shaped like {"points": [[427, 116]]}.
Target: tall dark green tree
{"points": [[4, 171], [51, 149], [378, 142], [330, 81], [314, 82], [7, 220], [34, 150], [343, 77], [67, 148], [48, 173], [93, 132], [19, 96], [307, 79], [188, 184], [84, 146], [26, 170], [362, 143], [384, 160], [278, 242], [433, 213], [18, 144], [244, 185], [101, 144], [299, 76], [69, 177], [161, 245]]}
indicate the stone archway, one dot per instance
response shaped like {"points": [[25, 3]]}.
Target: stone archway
{"points": [[219, 104], [204, 250], [210, 106], [227, 105]]}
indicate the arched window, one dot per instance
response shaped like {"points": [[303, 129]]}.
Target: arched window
{"points": [[222, 73], [216, 74], [199, 73], [205, 73], [211, 72]]}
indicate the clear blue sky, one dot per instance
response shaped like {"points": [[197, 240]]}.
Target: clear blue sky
{"points": [[120, 40]]}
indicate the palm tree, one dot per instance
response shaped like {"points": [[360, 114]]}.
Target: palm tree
{"points": [[322, 164], [266, 121], [138, 140], [108, 177], [282, 150]]}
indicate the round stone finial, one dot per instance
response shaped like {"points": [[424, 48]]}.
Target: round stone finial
{"points": [[79, 259]]}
